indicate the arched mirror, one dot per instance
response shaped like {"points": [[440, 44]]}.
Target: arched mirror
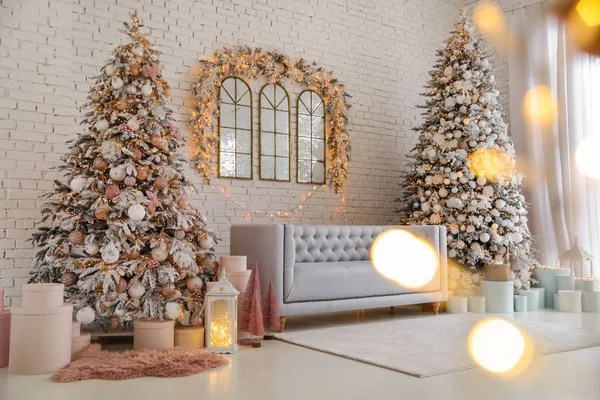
{"points": [[235, 129], [311, 138], [274, 138]]}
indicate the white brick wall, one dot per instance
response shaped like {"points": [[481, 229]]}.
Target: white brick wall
{"points": [[49, 51]]}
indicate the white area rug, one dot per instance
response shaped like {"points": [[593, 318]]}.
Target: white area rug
{"points": [[430, 346]]}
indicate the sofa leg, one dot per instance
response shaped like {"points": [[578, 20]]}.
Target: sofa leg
{"points": [[436, 308], [282, 323]]}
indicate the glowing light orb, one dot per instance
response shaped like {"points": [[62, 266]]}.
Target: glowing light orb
{"points": [[539, 105], [589, 11], [403, 258], [491, 164], [490, 20], [496, 345], [586, 157]]}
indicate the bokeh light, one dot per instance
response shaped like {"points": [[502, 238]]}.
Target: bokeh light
{"points": [[498, 346], [586, 157], [404, 258], [489, 19], [589, 11], [539, 105], [491, 164]]}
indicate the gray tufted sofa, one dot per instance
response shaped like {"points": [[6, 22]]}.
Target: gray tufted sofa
{"points": [[327, 268]]}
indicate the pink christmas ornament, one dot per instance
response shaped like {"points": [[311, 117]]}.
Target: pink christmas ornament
{"points": [[112, 191], [151, 71]]}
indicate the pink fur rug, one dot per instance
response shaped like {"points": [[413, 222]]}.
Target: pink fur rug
{"points": [[93, 363]]}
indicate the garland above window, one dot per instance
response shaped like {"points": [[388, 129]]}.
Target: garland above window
{"points": [[249, 63]]}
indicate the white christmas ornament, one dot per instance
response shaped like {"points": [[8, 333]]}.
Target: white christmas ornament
{"points": [[454, 230], [488, 191], [133, 123], [467, 74], [136, 290], [159, 254], [425, 207], [92, 248], [481, 181], [194, 283], [146, 90], [110, 70], [448, 71], [470, 229], [443, 192], [138, 50], [142, 112], [101, 125], [451, 253], [117, 83], [173, 310], [117, 173], [499, 204], [136, 212], [130, 89], [78, 183], [206, 242], [434, 219], [110, 256], [484, 237], [86, 315]]}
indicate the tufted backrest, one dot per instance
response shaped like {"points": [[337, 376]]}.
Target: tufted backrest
{"points": [[332, 243]]}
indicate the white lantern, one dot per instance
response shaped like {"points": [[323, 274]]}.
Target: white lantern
{"points": [[577, 259], [221, 317]]}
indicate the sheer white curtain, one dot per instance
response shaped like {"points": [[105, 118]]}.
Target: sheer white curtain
{"points": [[564, 203]]}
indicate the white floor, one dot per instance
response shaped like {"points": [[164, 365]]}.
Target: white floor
{"points": [[286, 372]]}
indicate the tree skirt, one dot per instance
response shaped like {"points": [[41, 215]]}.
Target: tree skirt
{"points": [[93, 363]]}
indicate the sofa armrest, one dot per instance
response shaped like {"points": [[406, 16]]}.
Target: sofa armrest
{"points": [[264, 245]]}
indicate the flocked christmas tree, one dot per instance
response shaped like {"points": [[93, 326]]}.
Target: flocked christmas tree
{"points": [[462, 171], [121, 235]]}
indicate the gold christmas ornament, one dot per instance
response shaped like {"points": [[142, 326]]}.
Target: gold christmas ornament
{"points": [[121, 104], [68, 279], [161, 183], [137, 154], [134, 68], [100, 164], [157, 141], [142, 172], [76, 238], [101, 212], [112, 191], [121, 285]]}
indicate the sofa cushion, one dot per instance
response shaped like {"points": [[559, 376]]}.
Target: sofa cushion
{"points": [[314, 281], [329, 243]]}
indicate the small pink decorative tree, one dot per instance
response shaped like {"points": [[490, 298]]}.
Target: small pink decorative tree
{"points": [[270, 312], [251, 307]]}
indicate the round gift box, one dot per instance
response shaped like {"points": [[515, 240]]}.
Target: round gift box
{"points": [[476, 304], [590, 302], [233, 263], [569, 301], [542, 296], [239, 279], [43, 295], [547, 279], [153, 334], [40, 339], [4, 337], [533, 299], [191, 337], [79, 343], [76, 329], [498, 296], [520, 303], [456, 305]]}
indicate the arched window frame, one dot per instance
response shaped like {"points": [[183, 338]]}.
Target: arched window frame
{"points": [[236, 129], [298, 159], [275, 133]]}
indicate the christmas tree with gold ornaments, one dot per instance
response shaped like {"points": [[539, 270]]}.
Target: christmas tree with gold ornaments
{"points": [[121, 235], [461, 173]]}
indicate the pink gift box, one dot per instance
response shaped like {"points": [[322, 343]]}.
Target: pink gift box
{"points": [[4, 337]]}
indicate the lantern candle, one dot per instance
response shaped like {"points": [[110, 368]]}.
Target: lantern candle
{"points": [[221, 316]]}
